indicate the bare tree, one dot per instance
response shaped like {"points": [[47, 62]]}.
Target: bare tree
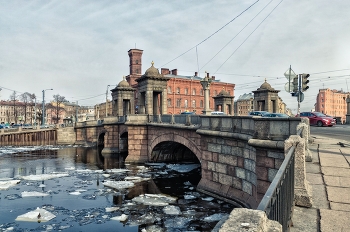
{"points": [[14, 99], [27, 100], [58, 109]]}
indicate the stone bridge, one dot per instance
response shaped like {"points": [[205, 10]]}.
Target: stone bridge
{"points": [[239, 156]]}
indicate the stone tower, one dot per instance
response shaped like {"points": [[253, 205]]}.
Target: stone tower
{"points": [[266, 98], [152, 92], [123, 99], [135, 66], [224, 102]]}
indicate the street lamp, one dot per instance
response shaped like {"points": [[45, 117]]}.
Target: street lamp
{"points": [[107, 98], [43, 113]]}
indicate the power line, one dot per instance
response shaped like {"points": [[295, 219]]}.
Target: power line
{"points": [[213, 33], [236, 35], [249, 36]]}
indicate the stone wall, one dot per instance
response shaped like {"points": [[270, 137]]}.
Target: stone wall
{"points": [[66, 136]]}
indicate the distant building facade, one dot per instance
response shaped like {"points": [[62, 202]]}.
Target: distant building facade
{"points": [[244, 104], [184, 93], [332, 102]]}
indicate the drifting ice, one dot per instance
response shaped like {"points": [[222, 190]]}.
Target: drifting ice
{"points": [[111, 209], [34, 194], [183, 167], [7, 184], [121, 218], [36, 215], [118, 184], [154, 199], [44, 176]]}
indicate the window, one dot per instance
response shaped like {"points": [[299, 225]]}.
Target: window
{"points": [[193, 91], [169, 89], [169, 102], [186, 91], [201, 92], [178, 90], [201, 103], [186, 104], [215, 93], [193, 103], [178, 102]]}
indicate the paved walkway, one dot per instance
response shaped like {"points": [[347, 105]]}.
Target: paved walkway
{"points": [[329, 177]]}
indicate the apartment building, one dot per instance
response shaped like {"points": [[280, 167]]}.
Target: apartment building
{"points": [[332, 102]]}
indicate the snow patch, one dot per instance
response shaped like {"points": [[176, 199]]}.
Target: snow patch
{"points": [[183, 167], [111, 209]]}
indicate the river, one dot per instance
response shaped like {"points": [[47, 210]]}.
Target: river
{"points": [[85, 191]]}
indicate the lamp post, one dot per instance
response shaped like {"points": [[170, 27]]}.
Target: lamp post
{"points": [[107, 99], [43, 113]]}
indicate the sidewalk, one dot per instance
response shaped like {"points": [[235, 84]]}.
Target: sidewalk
{"points": [[329, 177]]}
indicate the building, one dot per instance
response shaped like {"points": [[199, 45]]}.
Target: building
{"points": [[332, 102], [244, 104], [183, 93]]}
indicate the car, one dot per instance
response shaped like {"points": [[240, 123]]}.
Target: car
{"points": [[258, 113], [318, 118], [187, 112], [276, 115], [217, 113]]}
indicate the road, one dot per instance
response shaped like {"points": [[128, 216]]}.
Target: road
{"points": [[341, 132]]}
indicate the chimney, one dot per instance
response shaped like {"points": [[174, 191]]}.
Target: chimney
{"points": [[164, 71], [174, 72], [213, 77], [195, 74]]}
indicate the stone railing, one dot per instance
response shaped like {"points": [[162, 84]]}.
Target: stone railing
{"points": [[292, 170]]}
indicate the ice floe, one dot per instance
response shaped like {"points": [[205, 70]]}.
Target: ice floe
{"points": [[121, 218], [118, 184], [44, 176], [111, 209], [117, 170], [7, 184], [183, 167], [172, 210], [214, 217], [154, 199], [36, 215], [34, 194]]}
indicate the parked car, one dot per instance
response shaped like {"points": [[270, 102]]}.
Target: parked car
{"points": [[276, 115], [188, 112], [217, 113], [319, 119], [258, 113]]}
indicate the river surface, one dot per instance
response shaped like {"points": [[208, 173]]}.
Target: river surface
{"points": [[84, 191]]}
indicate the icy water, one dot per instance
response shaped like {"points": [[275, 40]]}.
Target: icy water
{"points": [[85, 191]]}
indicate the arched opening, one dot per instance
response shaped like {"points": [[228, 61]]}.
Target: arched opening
{"points": [[101, 140], [169, 151]]}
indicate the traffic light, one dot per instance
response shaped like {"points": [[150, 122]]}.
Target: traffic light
{"points": [[295, 84], [304, 82]]}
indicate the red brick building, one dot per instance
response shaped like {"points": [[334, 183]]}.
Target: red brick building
{"points": [[184, 93]]}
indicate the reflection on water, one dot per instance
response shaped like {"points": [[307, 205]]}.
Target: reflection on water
{"points": [[79, 200]]}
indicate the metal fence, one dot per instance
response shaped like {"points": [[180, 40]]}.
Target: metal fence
{"points": [[278, 201]]}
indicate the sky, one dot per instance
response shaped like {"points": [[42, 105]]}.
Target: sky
{"points": [[78, 48]]}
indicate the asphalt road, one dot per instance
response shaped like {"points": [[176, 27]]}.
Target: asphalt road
{"points": [[341, 132]]}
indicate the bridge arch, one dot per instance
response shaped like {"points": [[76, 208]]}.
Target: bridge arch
{"points": [[170, 137]]}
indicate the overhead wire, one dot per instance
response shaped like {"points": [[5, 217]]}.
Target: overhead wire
{"points": [[213, 33], [236, 35], [248, 36]]}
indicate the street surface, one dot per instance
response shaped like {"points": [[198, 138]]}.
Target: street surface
{"points": [[341, 132]]}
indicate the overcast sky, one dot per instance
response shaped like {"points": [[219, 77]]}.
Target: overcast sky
{"points": [[79, 47]]}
